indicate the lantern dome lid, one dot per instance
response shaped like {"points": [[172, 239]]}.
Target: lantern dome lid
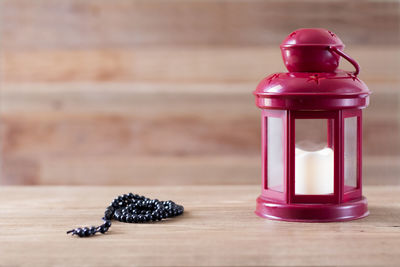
{"points": [[312, 37], [306, 90], [314, 80]]}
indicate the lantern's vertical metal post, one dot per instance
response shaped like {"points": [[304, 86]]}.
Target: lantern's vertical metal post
{"points": [[263, 150], [330, 134], [290, 157], [359, 147], [287, 157], [340, 163]]}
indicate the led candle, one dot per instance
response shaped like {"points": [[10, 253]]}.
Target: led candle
{"points": [[314, 172]]}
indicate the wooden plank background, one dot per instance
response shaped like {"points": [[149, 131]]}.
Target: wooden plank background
{"points": [[159, 92]]}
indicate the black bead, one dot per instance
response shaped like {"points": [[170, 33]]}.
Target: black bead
{"points": [[92, 230], [86, 231], [77, 231], [108, 215]]}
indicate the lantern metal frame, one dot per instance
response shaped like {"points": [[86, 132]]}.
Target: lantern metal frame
{"points": [[345, 203], [335, 141], [303, 93]]}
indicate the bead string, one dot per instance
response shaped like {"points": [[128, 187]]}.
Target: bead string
{"points": [[132, 208]]}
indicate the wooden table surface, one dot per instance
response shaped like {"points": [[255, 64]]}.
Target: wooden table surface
{"points": [[218, 228]]}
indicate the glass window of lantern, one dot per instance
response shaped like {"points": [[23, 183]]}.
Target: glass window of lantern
{"points": [[350, 153], [275, 153], [314, 157]]}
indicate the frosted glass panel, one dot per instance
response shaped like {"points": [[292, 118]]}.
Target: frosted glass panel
{"points": [[275, 156], [350, 153], [314, 160]]}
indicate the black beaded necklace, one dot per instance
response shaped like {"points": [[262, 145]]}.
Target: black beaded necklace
{"points": [[132, 208]]}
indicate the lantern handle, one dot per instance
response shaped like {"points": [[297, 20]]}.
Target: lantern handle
{"points": [[348, 58]]}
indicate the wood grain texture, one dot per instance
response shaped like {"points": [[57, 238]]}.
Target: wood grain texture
{"points": [[159, 99], [100, 92], [178, 64], [121, 23], [218, 228], [163, 170], [108, 133]]}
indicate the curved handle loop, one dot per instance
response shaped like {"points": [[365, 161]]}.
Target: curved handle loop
{"points": [[349, 59]]}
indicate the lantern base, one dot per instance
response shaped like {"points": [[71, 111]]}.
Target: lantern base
{"points": [[347, 211]]}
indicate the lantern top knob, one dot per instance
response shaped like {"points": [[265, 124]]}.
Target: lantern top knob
{"points": [[312, 37], [314, 50]]}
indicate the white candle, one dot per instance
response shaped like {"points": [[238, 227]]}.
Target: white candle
{"points": [[314, 172]]}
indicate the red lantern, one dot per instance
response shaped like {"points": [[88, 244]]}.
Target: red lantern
{"points": [[312, 133]]}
